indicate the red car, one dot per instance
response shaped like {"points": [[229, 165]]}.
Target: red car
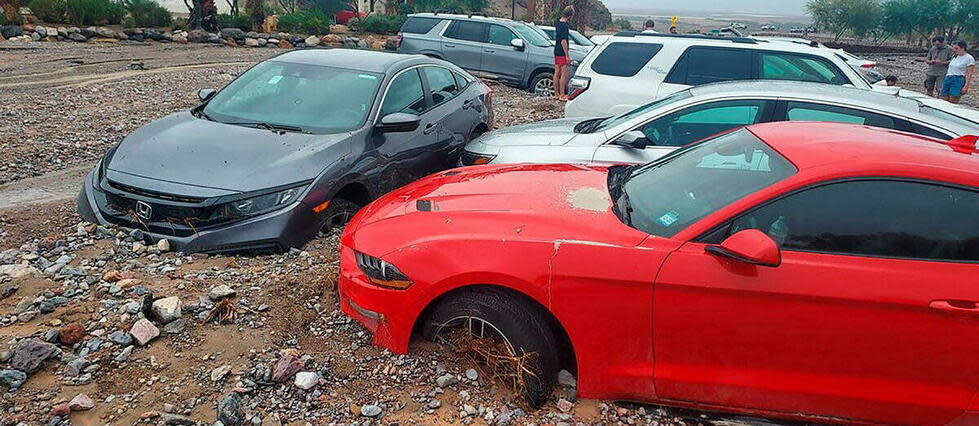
{"points": [[348, 12], [816, 271]]}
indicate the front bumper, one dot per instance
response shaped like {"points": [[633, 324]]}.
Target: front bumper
{"points": [[279, 230]]}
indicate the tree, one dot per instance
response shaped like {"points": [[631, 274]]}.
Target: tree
{"points": [[897, 17], [859, 17], [623, 24], [11, 10]]}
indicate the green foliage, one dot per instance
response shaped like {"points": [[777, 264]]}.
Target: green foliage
{"points": [[328, 7], [49, 11], [382, 24], [305, 22], [456, 6], [95, 12], [623, 24], [859, 17], [241, 22], [148, 13], [890, 18]]}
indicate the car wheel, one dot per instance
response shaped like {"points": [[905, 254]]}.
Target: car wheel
{"points": [[338, 214], [515, 326], [543, 84]]}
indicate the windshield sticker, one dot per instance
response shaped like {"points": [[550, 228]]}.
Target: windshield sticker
{"points": [[367, 76], [275, 79], [669, 218], [758, 162]]}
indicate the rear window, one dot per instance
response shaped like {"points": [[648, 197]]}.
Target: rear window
{"points": [[624, 59], [467, 30], [419, 25], [703, 65]]}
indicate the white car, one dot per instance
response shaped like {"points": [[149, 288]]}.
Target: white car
{"points": [[577, 41], [632, 69]]}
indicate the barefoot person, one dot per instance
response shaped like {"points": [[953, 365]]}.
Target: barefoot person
{"points": [[562, 53], [938, 58], [959, 77]]}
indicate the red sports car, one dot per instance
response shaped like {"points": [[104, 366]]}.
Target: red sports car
{"points": [[815, 271]]}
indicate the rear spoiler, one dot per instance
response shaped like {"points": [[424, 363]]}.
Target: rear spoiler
{"points": [[964, 144]]}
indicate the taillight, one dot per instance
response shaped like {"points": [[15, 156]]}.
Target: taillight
{"points": [[577, 86], [870, 65]]}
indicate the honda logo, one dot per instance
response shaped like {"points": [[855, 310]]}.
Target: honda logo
{"points": [[144, 210]]}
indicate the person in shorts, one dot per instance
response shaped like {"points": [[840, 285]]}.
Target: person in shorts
{"points": [[959, 77], [562, 53], [938, 58]]}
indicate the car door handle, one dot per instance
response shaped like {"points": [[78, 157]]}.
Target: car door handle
{"points": [[468, 103], [489, 51], [449, 46], [955, 306], [430, 127]]}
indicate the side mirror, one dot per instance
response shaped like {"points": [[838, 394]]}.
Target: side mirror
{"points": [[205, 94], [517, 44], [398, 122], [749, 246], [634, 139]]}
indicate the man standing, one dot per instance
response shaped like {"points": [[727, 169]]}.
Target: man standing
{"points": [[959, 77], [650, 27], [938, 58], [562, 53]]}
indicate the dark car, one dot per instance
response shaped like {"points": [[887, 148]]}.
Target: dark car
{"points": [[294, 145]]}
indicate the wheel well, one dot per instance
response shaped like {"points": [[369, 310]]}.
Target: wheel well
{"points": [[537, 72], [566, 353], [432, 55], [354, 192], [480, 129]]}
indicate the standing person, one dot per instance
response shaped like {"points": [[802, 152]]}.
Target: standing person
{"points": [[938, 58], [673, 30], [959, 77], [650, 27], [562, 53]]}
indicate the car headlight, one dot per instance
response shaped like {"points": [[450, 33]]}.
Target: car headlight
{"points": [[262, 203], [470, 158], [382, 273]]}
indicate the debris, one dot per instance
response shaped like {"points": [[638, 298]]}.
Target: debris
{"points": [[220, 292], [71, 334], [167, 309], [144, 331], [230, 411], [81, 402], [306, 380], [287, 365], [29, 355]]}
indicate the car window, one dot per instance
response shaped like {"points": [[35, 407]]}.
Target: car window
{"points": [[416, 25], [804, 111], [461, 80], [886, 218], [701, 121], [441, 84], [501, 35], [928, 131], [405, 95], [622, 59], [531, 35], [781, 66], [580, 39], [468, 30], [702, 65], [611, 122]]}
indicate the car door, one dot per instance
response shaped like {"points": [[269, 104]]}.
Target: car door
{"points": [[406, 156], [811, 111], [500, 58], [453, 114], [680, 128], [463, 42], [872, 314], [702, 65]]}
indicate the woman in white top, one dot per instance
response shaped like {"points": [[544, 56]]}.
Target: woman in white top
{"points": [[960, 71]]}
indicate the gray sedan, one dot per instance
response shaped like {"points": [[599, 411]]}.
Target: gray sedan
{"points": [[655, 129]]}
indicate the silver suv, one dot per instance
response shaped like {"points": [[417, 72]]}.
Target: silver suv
{"points": [[509, 51]]}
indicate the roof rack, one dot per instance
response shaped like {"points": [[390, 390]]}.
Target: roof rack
{"points": [[747, 40], [471, 14], [438, 11]]}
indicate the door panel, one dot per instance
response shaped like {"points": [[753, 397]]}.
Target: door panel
{"points": [[463, 44], [499, 56], [455, 120], [406, 156]]}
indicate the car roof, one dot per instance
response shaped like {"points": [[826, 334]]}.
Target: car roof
{"points": [[357, 59], [475, 17], [861, 149], [703, 39]]}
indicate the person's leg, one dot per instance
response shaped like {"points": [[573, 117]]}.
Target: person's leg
{"points": [[930, 81], [565, 78], [954, 99], [558, 70], [943, 94]]}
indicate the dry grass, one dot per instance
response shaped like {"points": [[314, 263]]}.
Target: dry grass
{"points": [[493, 359]]}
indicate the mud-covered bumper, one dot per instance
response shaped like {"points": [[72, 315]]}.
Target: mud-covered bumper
{"points": [[291, 226]]}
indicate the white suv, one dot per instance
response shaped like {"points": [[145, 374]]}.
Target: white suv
{"points": [[632, 69]]}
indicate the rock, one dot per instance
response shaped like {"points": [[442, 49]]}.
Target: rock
{"points": [[76, 366], [285, 44], [219, 373], [370, 410], [178, 39], [434, 404], [144, 331], [12, 379], [88, 32], [472, 374], [446, 380], [164, 244], [262, 42], [81, 402], [194, 36], [138, 247], [105, 32], [174, 327], [220, 292], [9, 31], [61, 409], [35, 37], [232, 33], [120, 338], [306, 380], [312, 41], [5, 356], [19, 270], [167, 309], [129, 282], [77, 37], [391, 43], [112, 276], [566, 379], [177, 420], [71, 334], [124, 355], [230, 411], [331, 40], [41, 31], [565, 406], [251, 42], [287, 365], [7, 290], [29, 355]]}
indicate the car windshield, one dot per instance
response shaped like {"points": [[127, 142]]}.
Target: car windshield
{"points": [[531, 35], [307, 98], [580, 39], [624, 118], [664, 197]]}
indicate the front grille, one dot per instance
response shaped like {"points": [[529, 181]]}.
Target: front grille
{"points": [[167, 217], [154, 194]]}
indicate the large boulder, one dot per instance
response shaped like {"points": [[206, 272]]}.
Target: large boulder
{"points": [[312, 41], [77, 37], [194, 36], [9, 31], [235, 33], [29, 355]]}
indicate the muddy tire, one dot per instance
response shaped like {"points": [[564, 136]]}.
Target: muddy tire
{"points": [[338, 214], [542, 84], [511, 319]]}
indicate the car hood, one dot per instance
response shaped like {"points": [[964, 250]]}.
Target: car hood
{"points": [[550, 132], [536, 202], [191, 152]]}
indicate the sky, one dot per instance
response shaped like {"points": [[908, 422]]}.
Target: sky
{"points": [[774, 7]]}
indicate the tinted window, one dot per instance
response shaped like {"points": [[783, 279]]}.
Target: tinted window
{"points": [[695, 123], [467, 30], [624, 59], [702, 65], [928, 131], [419, 25], [405, 95], [461, 80], [780, 66], [873, 218], [441, 84], [802, 111], [500, 35]]}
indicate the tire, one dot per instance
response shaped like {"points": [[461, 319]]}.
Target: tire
{"points": [[542, 84], [338, 214], [520, 325]]}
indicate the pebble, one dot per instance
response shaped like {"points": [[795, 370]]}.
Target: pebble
{"points": [[370, 410], [446, 380], [81, 402]]}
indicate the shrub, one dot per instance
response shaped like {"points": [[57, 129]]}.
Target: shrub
{"points": [[148, 13], [305, 22], [623, 24], [95, 12], [382, 24], [49, 11], [241, 22]]}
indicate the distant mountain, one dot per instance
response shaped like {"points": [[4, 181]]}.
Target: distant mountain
{"points": [[768, 7]]}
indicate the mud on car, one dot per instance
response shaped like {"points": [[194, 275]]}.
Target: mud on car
{"points": [[294, 145]]}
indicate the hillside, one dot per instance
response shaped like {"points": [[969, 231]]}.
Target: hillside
{"points": [[597, 15]]}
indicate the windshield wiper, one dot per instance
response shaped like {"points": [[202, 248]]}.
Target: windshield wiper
{"points": [[269, 126]]}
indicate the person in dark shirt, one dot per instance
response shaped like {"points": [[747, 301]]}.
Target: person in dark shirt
{"points": [[562, 53]]}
